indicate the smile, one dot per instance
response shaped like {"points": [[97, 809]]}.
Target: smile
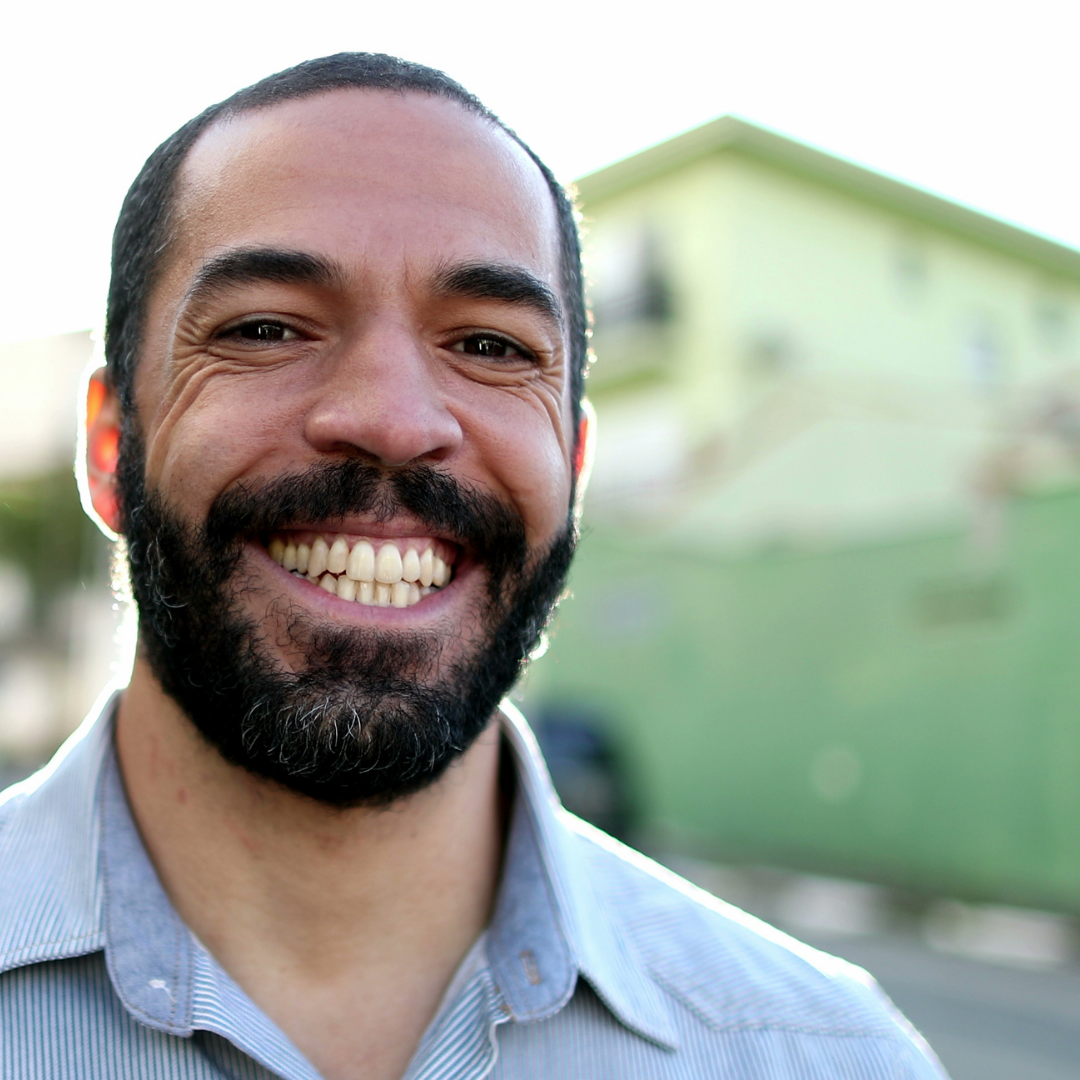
{"points": [[374, 572]]}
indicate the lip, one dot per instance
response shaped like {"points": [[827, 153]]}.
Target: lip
{"points": [[315, 598]]}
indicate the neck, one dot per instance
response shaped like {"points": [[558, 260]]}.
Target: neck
{"points": [[290, 894]]}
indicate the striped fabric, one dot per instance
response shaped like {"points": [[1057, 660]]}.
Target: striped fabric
{"points": [[597, 963]]}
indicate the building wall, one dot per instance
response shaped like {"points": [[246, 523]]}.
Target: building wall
{"points": [[886, 712], [38, 406], [869, 293], [828, 366]]}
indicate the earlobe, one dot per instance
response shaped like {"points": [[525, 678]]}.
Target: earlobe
{"points": [[102, 432]]}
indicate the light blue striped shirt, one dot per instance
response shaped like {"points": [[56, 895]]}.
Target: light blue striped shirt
{"points": [[597, 962]]}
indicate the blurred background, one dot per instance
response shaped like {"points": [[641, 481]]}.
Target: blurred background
{"points": [[822, 653]]}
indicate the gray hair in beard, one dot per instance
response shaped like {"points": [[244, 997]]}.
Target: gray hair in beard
{"points": [[372, 715]]}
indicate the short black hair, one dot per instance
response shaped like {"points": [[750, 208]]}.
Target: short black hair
{"points": [[144, 229]]}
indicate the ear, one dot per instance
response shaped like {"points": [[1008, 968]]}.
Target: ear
{"points": [[584, 449], [102, 451]]}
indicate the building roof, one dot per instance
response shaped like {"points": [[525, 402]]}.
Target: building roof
{"points": [[728, 133]]}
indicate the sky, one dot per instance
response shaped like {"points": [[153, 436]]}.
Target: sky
{"points": [[975, 101]]}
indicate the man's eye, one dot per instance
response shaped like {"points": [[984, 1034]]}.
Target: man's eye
{"points": [[491, 347], [261, 330]]}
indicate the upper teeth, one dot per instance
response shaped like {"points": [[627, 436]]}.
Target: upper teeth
{"points": [[387, 577]]}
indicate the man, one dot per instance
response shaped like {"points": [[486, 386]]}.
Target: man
{"points": [[342, 435]]}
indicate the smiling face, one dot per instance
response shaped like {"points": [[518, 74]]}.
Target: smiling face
{"points": [[356, 434]]}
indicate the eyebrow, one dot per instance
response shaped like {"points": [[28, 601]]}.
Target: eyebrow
{"points": [[496, 281], [477, 281], [247, 265]]}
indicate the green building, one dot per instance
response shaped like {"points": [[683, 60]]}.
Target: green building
{"points": [[828, 598]]}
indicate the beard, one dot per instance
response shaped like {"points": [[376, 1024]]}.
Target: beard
{"points": [[369, 716]]}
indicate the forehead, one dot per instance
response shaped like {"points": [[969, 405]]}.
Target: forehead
{"points": [[364, 173]]}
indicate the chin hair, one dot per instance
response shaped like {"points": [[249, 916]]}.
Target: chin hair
{"points": [[371, 715]]}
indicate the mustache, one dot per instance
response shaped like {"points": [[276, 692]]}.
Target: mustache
{"points": [[491, 530]]}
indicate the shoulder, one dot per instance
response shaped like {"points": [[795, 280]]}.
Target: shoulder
{"points": [[730, 972], [10, 801], [49, 887]]}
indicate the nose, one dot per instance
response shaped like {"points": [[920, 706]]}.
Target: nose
{"points": [[382, 395]]}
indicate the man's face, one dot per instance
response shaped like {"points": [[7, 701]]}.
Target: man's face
{"points": [[356, 338]]}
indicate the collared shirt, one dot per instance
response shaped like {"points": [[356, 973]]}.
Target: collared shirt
{"points": [[597, 962]]}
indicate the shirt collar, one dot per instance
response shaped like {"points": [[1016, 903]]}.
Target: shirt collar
{"points": [[149, 951], [552, 921], [554, 896]]}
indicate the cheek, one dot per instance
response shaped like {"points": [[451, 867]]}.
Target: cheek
{"points": [[532, 471], [213, 441], [522, 448]]}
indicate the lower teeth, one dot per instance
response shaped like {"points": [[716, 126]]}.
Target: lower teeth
{"points": [[372, 594]]}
